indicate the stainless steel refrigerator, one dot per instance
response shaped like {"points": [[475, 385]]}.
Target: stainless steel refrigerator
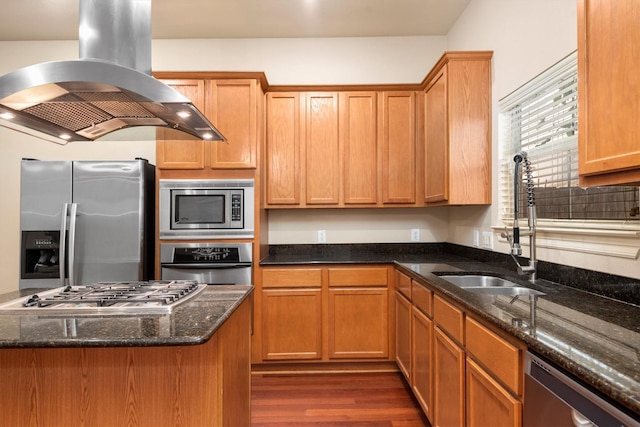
{"points": [[83, 222]]}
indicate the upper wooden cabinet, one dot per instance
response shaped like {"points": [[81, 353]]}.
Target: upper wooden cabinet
{"points": [[608, 92], [340, 149], [234, 106], [457, 121]]}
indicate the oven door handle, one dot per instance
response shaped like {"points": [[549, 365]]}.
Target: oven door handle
{"points": [[208, 266]]}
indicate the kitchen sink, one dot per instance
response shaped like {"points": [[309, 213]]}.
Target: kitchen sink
{"points": [[488, 285]]}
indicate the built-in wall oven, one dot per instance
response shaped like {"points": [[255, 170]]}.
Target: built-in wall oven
{"points": [[209, 263]]}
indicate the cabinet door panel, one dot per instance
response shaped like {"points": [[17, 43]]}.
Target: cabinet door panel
{"points": [[323, 161], [358, 139], [358, 323], [176, 150], [291, 324], [232, 108], [398, 147], [421, 355], [449, 379], [403, 335], [436, 184], [283, 154], [488, 404]]}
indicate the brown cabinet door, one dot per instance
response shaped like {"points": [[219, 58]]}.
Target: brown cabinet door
{"points": [[398, 147], [232, 107], [488, 404], [358, 323], [421, 355], [359, 145], [403, 335], [283, 155], [291, 324], [608, 92], [436, 184], [176, 150], [449, 381], [323, 163]]}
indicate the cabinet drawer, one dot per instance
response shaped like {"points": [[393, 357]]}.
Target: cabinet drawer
{"points": [[364, 276], [421, 298], [403, 284], [499, 356], [291, 278], [449, 318]]}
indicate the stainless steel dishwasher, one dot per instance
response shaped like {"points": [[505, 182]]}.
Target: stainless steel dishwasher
{"points": [[554, 399]]}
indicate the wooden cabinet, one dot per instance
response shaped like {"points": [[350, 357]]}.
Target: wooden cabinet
{"points": [[608, 92], [358, 313], [488, 403], [291, 314], [234, 106], [448, 364], [325, 314], [421, 356], [341, 149], [398, 147], [403, 335], [457, 120]]}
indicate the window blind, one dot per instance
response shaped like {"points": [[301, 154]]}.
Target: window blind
{"points": [[541, 118]]}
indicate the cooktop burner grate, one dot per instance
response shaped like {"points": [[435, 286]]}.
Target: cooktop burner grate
{"points": [[107, 297]]}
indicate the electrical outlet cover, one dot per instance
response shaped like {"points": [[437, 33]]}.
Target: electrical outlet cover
{"points": [[476, 238], [487, 239]]}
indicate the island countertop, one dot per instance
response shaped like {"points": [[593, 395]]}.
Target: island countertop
{"points": [[191, 323]]}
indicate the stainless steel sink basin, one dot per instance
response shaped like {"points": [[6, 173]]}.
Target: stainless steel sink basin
{"points": [[488, 285]]}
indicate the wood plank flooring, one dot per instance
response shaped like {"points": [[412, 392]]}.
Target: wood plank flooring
{"points": [[336, 400]]}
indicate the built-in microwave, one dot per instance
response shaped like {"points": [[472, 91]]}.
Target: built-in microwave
{"points": [[206, 208]]}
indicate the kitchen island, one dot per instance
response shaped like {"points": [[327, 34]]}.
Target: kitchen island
{"points": [[190, 367]]}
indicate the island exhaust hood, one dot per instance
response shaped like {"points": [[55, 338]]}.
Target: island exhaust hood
{"points": [[109, 88]]}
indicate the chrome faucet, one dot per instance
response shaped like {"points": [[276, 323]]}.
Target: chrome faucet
{"points": [[514, 237]]}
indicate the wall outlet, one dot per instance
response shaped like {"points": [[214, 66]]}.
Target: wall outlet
{"points": [[476, 238], [322, 236], [487, 239], [415, 234]]}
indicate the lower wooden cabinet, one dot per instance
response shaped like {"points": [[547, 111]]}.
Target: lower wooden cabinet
{"points": [[448, 381], [488, 403], [403, 335], [325, 314], [421, 350], [291, 324]]}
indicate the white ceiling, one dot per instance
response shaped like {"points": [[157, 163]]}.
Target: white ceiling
{"points": [[175, 19]]}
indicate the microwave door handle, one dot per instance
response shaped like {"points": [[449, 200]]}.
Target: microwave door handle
{"points": [[62, 256], [73, 209]]}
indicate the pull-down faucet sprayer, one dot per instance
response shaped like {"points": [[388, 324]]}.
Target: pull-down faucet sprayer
{"points": [[514, 238]]}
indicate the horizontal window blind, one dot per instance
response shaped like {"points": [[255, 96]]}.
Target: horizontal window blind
{"points": [[541, 118]]}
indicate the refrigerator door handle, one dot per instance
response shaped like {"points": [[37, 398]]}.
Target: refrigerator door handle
{"points": [[63, 243], [73, 209]]}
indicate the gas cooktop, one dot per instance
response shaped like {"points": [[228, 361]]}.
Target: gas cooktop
{"points": [[107, 298]]}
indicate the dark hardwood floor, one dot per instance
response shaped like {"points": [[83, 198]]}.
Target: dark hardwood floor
{"points": [[336, 399]]}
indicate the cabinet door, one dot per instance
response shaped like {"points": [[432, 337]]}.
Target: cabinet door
{"points": [[232, 106], [421, 355], [359, 145], [283, 154], [436, 169], [322, 165], [358, 323], [449, 379], [403, 335], [176, 150], [291, 324], [608, 92], [398, 147], [488, 404]]}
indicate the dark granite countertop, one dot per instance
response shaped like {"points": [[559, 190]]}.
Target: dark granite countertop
{"points": [[191, 323], [578, 325]]}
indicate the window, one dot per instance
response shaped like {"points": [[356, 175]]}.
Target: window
{"points": [[541, 118]]}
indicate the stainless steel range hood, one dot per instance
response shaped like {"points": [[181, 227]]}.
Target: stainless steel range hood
{"points": [[109, 88]]}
